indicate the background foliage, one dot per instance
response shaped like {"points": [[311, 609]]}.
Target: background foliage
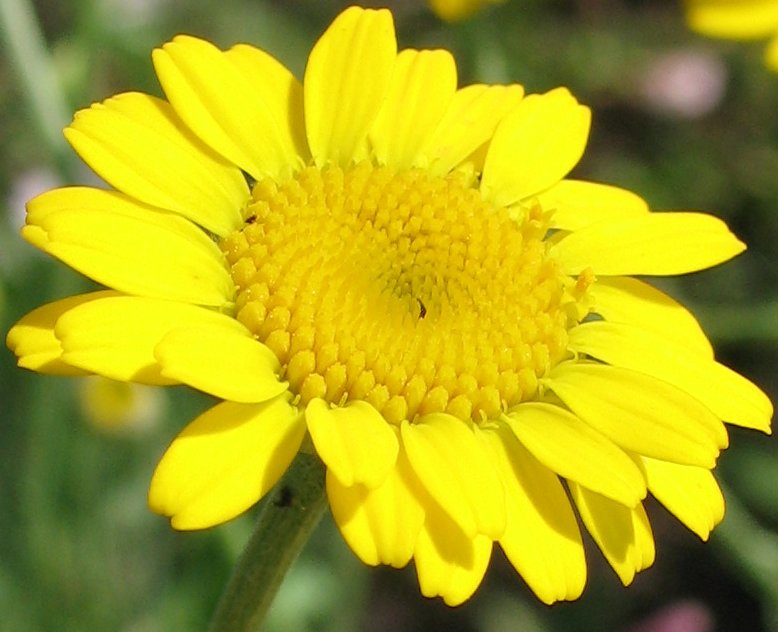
{"points": [[685, 122]]}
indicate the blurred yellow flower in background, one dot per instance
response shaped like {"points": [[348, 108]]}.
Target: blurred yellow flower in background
{"points": [[453, 10], [395, 273], [119, 407], [737, 20]]}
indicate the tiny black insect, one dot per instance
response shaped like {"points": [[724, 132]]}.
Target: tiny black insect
{"points": [[284, 498], [422, 309]]}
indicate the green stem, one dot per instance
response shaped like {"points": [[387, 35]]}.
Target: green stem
{"points": [[754, 551], [285, 522], [37, 76]]}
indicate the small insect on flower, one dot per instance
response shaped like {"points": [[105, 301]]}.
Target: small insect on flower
{"points": [[284, 497]]}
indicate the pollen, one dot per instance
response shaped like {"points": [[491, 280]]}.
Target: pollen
{"points": [[401, 289]]}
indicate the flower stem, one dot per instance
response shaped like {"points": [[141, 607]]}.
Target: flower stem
{"points": [[21, 35], [754, 551], [285, 522]]}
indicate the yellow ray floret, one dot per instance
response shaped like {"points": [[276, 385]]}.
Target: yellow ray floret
{"points": [[247, 448]]}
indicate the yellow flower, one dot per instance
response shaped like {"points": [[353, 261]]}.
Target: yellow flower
{"points": [[120, 407], [738, 20], [395, 273], [452, 10]]}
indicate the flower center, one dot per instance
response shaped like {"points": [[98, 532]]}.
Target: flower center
{"points": [[399, 288]]}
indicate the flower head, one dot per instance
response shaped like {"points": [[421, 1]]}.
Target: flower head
{"points": [[397, 273], [737, 20]]}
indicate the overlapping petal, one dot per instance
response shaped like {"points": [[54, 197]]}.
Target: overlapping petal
{"points": [[541, 538], [653, 243], [449, 563], [423, 84], [456, 470], [622, 533], [729, 395], [129, 246], [354, 441], [472, 116], [243, 103], [137, 143], [281, 92], [642, 414], [577, 204], [224, 361], [691, 494], [573, 449], [33, 341], [225, 461], [116, 336], [633, 302], [352, 64], [535, 146], [381, 525]]}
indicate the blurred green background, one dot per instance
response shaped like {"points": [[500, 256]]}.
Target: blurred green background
{"points": [[686, 122]]}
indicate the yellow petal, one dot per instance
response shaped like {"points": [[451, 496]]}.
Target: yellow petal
{"points": [[572, 448], [577, 204], [455, 468], [116, 336], [226, 362], [33, 341], [729, 395], [381, 525], [347, 77], [240, 103], [449, 564], [691, 494], [421, 89], [654, 243], [225, 461], [633, 302], [129, 246], [469, 121], [354, 441], [623, 534], [136, 143], [535, 146], [541, 538], [638, 412], [275, 84], [739, 19]]}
